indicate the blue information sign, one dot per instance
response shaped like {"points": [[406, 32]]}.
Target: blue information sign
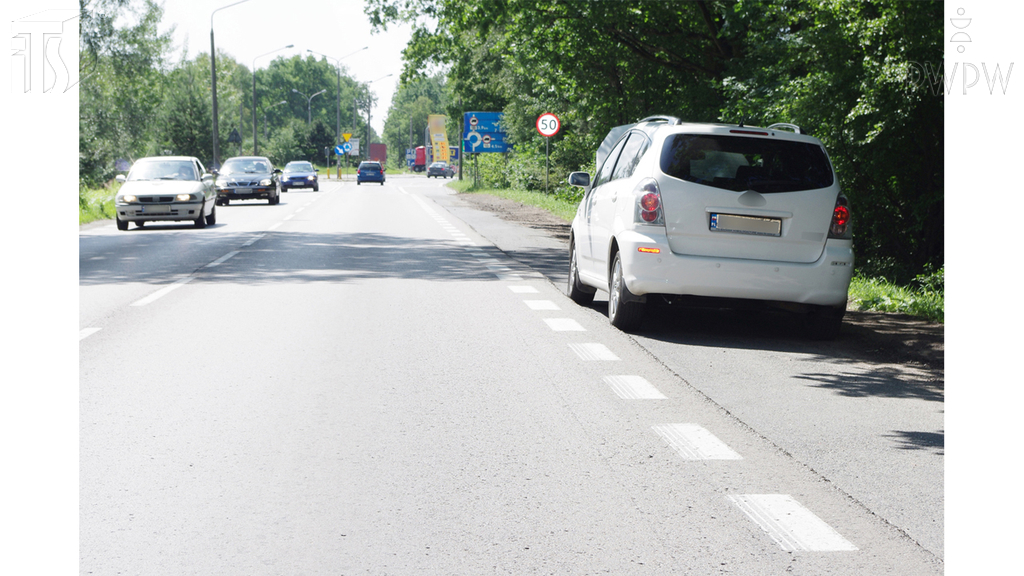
{"points": [[483, 133]]}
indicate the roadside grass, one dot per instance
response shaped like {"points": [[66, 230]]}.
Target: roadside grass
{"points": [[96, 203], [564, 209], [923, 298]]}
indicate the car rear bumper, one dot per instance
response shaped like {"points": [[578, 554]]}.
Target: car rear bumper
{"points": [[155, 212], [824, 282]]}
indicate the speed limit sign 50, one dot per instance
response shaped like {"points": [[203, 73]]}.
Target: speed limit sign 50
{"points": [[548, 124]]}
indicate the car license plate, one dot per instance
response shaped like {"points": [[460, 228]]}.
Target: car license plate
{"points": [[158, 209], [746, 224]]}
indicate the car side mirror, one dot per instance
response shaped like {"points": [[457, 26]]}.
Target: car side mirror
{"points": [[579, 179], [120, 178], [316, 169], [208, 176], [277, 170]]}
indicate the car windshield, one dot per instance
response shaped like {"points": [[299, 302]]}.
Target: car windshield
{"points": [[163, 170], [740, 164], [298, 167], [245, 166]]}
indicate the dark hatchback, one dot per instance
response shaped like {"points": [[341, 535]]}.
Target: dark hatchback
{"points": [[299, 174], [370, 171], [248, 178]]}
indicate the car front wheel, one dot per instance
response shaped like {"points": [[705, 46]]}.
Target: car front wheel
{"points": [[121, 224], [200, 222], [212, 218], [624, 312]]}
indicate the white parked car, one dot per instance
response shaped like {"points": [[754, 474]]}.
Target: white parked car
{"points": [[166, 188], [708, 211]]}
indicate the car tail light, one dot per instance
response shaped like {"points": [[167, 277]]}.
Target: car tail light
{"points": [[840, 227], [648, 203]]}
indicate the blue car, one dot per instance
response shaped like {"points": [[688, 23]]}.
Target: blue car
{"points": [[370, 171], [299, 174]]}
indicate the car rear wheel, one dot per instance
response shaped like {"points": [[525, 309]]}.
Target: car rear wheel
{"points": [[575, 290], [121, 224], [140, 223], [824, 323], [624, 312]]}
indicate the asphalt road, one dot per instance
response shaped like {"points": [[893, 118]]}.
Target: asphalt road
{"points": [[366, 380]]}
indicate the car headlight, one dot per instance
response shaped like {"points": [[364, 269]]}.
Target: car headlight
{"points": [[311, 177], [222, 182], [183, 197], [126, 198], [266, 182]]}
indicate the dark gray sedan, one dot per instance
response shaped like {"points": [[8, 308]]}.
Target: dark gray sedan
{"points": [[248, 178]]}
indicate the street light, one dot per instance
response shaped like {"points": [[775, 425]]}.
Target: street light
{"points": [[265, 117], [337, 134], [213, 85], [309, 104], [369, 107], [255, 146]]}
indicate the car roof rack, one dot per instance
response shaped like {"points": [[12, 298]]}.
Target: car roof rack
{"points": [[671, 120], [792, 127]]}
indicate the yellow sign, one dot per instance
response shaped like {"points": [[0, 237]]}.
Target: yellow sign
{"points": [[346, 136], [438, 137]]}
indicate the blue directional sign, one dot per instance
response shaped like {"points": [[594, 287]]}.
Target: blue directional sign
{"points": [[342, 149], [482, 142], [483, 122], [483, 133]]}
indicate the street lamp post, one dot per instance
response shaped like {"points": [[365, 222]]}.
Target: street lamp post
{"points": [[369, 109], [213, 85], [309, 104], [265, 136], [337, 133], [255, 146]]}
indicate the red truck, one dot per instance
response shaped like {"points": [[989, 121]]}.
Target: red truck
{"points": [[420, 163], [379, 153]]}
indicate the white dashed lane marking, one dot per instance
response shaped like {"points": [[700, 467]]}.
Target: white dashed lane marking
{"points": [[693, 442], [633, 388], [541, 305], [222, 259], [593, 351], [523, 289], [163, 291], [791, 525], [86, 332], [564, 325]]}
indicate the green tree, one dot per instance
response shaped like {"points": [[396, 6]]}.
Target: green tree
{"points": [[121, 70]]}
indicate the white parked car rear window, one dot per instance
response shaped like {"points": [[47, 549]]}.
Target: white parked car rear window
{"points": [[741, 163]]}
